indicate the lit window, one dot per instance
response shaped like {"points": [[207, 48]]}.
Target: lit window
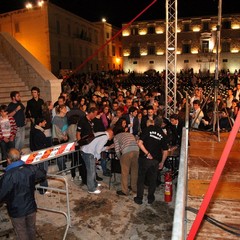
{"points": [[134, 31], [225, 47], [151, 30], [205, 46], [226, 25], [205, 26], [186, 48], [151, 50], [135, 52], [186, 27]]}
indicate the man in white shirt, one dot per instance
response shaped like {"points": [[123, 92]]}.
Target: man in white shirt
{"points": [[92, 152]]}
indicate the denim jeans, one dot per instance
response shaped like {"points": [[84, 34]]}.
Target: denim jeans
{"points": [[91, 171], [20, 138], [61, 162], [5, 146]]}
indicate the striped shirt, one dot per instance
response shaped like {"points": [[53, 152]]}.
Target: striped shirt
{"points": [[125, 142], [8, 128]]}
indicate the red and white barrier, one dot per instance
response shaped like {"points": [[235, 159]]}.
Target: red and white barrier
{"points": [[48, 153]]}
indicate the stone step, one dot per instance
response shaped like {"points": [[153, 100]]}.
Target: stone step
{"points": [[11, 80], [8, 73], [4, 63], [22, 93], [6, 67], [7, 100], [4, 87]]}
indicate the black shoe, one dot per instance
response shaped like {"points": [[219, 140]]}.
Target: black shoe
{"points": [[151, 200], [98, 178], [138, 200], [121, 193], [107, 174]]}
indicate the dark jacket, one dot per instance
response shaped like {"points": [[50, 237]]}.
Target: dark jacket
{"points": [[74, 115], [135, 124], [177, 133], [17, 188], [34, 108], [38, 140]]}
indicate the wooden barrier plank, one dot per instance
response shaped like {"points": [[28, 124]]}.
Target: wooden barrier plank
{"points": [[224, 190]]}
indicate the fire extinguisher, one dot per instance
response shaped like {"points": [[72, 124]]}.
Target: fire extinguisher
{"points": [[168, 186]]}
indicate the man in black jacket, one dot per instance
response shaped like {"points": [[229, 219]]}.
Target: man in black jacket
{"points": [[17, 190], [132, 120], [176, 128], [153, 153], [38, 141]]}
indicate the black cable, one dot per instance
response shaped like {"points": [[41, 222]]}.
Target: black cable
{"points": [[217, 223]]}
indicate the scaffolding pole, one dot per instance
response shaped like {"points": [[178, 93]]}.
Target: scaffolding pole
{"points": [[171, 58], [216, 79]]}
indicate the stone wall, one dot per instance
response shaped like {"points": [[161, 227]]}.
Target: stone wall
{"points": [[32, 72]]}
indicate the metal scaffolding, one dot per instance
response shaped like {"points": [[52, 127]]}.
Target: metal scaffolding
{"points": [[171, 58]]}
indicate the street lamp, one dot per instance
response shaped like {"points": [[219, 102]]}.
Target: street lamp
{"points": [[29, 5], [40, 3]]}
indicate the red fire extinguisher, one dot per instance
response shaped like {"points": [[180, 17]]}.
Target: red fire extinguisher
{"points": [[168, 186]]}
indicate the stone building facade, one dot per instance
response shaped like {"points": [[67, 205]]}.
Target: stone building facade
{"points": [[62, 40], [144, 44]]}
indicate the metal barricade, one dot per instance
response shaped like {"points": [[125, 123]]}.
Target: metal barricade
{"points": [[51, 155], [55, 192], [179, 220]]}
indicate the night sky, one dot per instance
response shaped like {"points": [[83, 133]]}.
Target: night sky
{"points": [[123, 11]]}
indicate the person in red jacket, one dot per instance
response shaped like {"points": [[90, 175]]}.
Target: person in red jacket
{"points": [[8, 130]]}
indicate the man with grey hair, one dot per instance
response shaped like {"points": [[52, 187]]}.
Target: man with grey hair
{"points": [[17, 188]]}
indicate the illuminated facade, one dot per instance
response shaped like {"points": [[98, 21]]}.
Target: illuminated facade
{"points": [[144, 44], [62, 40]]}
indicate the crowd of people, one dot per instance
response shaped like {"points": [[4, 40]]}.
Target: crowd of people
{"points": [[121, 114]]}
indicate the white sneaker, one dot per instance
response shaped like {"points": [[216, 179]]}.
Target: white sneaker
{"points": [[47, 193], [97, 191]]}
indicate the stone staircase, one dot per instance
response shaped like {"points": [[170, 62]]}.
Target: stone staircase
{"points": [[10, 81]]}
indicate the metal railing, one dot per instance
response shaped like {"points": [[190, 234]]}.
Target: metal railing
{"points": [[57, 189], [179, 223]]}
